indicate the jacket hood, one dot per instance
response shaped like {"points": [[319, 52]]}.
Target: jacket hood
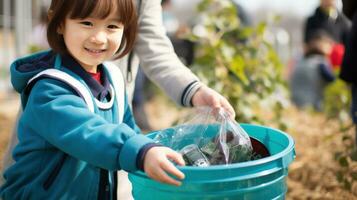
{"points": [[23, 69]]}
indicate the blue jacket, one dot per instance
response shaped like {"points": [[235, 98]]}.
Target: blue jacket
{"points": [[62, 145], [309, 79]]}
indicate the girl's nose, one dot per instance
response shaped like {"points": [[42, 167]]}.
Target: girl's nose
{"points": [[99, 37]]}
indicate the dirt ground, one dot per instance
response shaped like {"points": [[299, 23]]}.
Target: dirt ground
{"points": [[311, 175]]}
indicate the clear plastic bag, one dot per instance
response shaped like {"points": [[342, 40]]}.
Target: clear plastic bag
{"points": [[210, 137]]}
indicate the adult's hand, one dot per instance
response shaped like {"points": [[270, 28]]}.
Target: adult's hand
{"points": [[205, 96]]}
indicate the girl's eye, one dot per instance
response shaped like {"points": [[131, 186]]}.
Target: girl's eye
{"points": [[113, 26], [86, 23]]}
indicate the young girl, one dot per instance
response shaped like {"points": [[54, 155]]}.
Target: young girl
{"points": [[77, 129]]}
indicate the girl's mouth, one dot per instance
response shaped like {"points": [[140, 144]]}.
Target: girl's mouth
{"points": [[95, 50]]}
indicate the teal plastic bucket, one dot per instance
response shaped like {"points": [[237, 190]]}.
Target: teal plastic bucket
{"points": [[259, 179]]}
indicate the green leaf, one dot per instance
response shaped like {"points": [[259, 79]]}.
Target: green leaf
{"points": [[347, 184], [261, 28], [236, 66], [339, 176], [343, 161]]}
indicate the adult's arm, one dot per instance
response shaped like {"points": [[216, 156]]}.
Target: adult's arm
{"points": [[158, 58]]}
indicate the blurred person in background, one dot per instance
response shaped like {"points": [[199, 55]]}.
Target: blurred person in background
{"points": [[349, 65], [327, 18], [176, 30], [312, 73], [139, 99]]}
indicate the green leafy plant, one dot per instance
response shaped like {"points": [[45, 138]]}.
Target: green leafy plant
{"points": [[336, 105], [337, 102], [239, 63]]}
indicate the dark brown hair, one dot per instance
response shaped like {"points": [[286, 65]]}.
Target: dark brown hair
{"points": [[313, 46], [80, 9]]}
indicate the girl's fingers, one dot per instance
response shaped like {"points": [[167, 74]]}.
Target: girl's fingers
{"points": [[160, 175], [171, 169], [176, 157]]}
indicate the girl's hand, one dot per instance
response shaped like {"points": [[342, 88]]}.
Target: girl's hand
{"points": [[157, 165], [205, 96]]}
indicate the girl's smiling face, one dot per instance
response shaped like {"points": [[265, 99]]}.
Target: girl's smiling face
{"points": [[92, 40]]}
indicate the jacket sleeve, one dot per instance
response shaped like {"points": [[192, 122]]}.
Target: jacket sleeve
{"points": [[157, 56], [326, 72], [63, 120]]}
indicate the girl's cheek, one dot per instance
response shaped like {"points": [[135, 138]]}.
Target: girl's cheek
{"points": [[118, 37]]}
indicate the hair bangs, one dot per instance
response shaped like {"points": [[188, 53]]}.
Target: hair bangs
{"points": [[93, 8], [127, 12]]}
